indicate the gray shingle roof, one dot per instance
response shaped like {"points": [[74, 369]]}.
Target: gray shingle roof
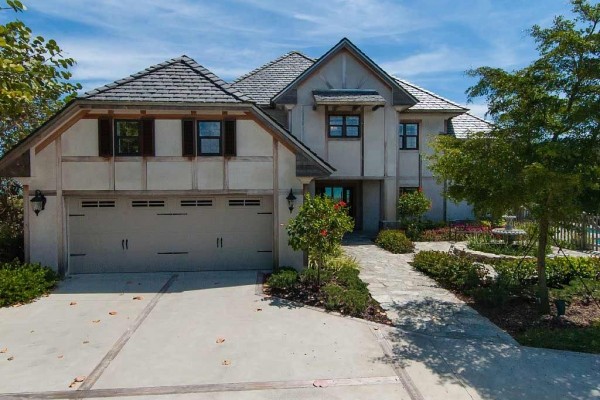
{"points": [[348, 96], [180, 80], [464, 124], [429, 101], [266, 81]]}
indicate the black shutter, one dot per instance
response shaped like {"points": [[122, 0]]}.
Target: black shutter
{"points": [[105, 137], [148, 137], [229, 138], [187, 129]]}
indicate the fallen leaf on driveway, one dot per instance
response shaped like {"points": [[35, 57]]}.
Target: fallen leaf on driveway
{"points": [[138, 298], [259, 309], [226, 362], [96, 321], [112, 313], [10, 358], [4, 350], [220, 340], [73, 303], [77, 380], [320, 384], [61, 356], [86, 341]]}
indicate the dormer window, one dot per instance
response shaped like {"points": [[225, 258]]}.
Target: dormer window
{"points": [[344, 126]]}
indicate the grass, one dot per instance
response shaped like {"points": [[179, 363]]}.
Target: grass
{"points": [[584, 339]]}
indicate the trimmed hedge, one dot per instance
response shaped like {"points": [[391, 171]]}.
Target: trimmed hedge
{"points": [[451, 271], [22, 283], [394, 241]]}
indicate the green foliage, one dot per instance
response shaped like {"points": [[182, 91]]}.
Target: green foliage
{"points": [[450, 271], [543, 150], [11, 221], [348, 301], [319, 227], [411, 208], [394, 241], [284, 278], [584, 339], [488, 244], [21, 283], [496, 294]]}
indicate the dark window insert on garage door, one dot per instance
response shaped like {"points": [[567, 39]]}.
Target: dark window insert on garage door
{"points": [[147, 203], [97, 203], [244, 202], [196, 203]]}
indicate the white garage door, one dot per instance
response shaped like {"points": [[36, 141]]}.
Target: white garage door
{"points": [[170, 234]]}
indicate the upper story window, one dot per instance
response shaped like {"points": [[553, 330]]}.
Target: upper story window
{"points": [[209, 138], [128, 138], [344, 126], [408, 136]]}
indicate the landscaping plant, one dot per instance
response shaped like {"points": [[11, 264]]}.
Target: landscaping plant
{"points": [[22, 282], [394, 241], [411, 208], [318, 229]]}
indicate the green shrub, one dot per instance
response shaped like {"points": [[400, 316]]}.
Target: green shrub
{"points": [[309, 276], [21, 283], [283, 279], [394, 241], [496, 294], [451, 271], [349, 301]]}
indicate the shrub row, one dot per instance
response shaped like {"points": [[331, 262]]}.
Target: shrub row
{"points": [[450, 271], [394, 241], [21, 283]]}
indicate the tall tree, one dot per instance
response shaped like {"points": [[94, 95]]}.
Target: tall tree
{"points": [[543, 151], [34, 84]]}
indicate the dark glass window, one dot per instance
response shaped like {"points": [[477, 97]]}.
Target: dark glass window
{"points": [[209, 138], [408, 136], [344, 126], [127, 134]]}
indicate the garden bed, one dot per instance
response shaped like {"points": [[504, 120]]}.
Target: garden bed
{"points": [[510, 303], [340, 290]]}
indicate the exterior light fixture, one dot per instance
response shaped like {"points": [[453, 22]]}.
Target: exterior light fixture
{"points": [[38, 203], [291, 199]]}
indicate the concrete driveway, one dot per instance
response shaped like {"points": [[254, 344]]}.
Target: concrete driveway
{"points": [[159, 336]]}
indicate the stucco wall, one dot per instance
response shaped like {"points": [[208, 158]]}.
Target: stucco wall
{"points": [[43, 234]]}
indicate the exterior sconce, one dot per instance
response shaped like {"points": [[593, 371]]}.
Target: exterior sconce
{"points": [[291, 199], [38, 203]]}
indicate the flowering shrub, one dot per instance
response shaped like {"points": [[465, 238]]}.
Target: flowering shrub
{"points": [[319, 228]]}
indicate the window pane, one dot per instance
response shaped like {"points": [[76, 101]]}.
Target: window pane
{"points": [[412, 129], [401, 129], [128, 146], [128, 142], [411, 142], [352, 120], [336, 120], [335, 131], [209, 128], [352, 131], [337, 193], [210, 146], [328, 192]]}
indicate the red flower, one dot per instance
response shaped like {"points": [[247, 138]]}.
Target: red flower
{"points": [[324, 232], [342, 203]]}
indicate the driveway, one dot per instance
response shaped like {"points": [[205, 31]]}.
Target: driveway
{"points": [[450, 351], [191, 335]]}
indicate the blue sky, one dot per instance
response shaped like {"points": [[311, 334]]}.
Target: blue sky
{"points": [[428, 42]]}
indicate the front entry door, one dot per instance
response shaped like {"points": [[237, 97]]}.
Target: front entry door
{"points": [[344, 193]]}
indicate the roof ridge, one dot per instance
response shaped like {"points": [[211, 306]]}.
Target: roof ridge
{"points": [[213, 78], [428, 92], [272, 62], [133, 76]]}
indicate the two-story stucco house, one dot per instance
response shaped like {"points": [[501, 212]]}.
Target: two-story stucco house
{"points": [[173, 169]]}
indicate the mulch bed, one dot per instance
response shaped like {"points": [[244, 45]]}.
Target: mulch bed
{"points": [[310, 297], [521, 314]]}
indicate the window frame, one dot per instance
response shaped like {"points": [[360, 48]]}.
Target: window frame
{"points": [[402, 138], [199, 138], [407, 189], [344, 125], [117, 152]]}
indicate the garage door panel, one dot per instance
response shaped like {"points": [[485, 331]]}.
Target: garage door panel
{"points": [[170, 234]]}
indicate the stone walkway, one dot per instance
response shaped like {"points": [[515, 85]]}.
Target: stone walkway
{"points": [[415, 302]]}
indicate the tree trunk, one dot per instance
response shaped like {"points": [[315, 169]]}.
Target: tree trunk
{"points": [[541, 265]]}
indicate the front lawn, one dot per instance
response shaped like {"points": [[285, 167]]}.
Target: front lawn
{"points": [[509, 301]]}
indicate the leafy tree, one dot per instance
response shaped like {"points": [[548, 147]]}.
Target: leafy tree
{"points": [[543, 151], [318, 229], [411, 208], [34, 84]]}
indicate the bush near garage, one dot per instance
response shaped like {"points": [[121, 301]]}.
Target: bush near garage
{"points": [[394, 241], [23, 282]]}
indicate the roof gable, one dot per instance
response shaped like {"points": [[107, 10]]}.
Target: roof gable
{"points": [[180, 80], [400, 95], [463, 125], [266, 81], [429, 101]]}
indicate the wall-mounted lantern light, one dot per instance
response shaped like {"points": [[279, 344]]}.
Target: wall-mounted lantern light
{"points": [[38, 203], [291, 199]]}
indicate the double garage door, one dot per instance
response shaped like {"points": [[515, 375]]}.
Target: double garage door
{"points": [[170, 234]]}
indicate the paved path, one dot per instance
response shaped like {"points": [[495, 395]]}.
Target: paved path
{"points": [[452, 352]]}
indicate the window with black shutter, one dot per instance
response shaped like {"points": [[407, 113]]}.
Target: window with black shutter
{"points": [[187, 129], [210, 138], [105, 144], [148, 137], [229, 138], [134, 137]]}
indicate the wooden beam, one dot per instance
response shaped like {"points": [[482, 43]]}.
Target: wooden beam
{"points": [[58, 132], [201, 117]]}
